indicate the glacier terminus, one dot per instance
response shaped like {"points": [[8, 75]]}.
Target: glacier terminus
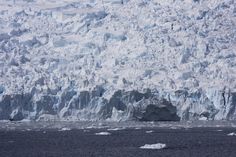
{"points": [[118, 60]]}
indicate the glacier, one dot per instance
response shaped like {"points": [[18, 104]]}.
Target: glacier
{"points": [[118, 60]]}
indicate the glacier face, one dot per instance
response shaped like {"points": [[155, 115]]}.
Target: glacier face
{"points": [[118, 59]]}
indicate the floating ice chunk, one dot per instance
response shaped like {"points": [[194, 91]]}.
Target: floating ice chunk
{"points": [[231, 134], [90, 127], [65, 129], [150, 131], [153, 146], [103, 133]]}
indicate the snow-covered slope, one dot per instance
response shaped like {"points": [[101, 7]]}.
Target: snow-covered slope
{"points": [[118, 59]]}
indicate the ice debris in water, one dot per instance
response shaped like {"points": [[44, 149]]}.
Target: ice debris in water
{"points": [[154, 146], [65, 129], [103, 133], [148, 132], [232, 134]]}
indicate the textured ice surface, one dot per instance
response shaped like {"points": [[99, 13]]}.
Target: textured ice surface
{"points": [[116, 59]]}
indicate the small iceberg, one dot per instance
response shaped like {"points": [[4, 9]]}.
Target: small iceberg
{"points": [[103, 133], [65, 129], [232, 134], [154, 146]]}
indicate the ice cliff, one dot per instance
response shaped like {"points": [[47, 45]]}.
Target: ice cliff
{"points": [[118, 60]]}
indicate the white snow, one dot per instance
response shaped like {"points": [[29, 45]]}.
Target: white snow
{"points": [[103, 133], [153, 146]]}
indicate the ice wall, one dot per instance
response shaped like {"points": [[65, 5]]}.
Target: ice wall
{"points": [[81, 59], [122, 105]]}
